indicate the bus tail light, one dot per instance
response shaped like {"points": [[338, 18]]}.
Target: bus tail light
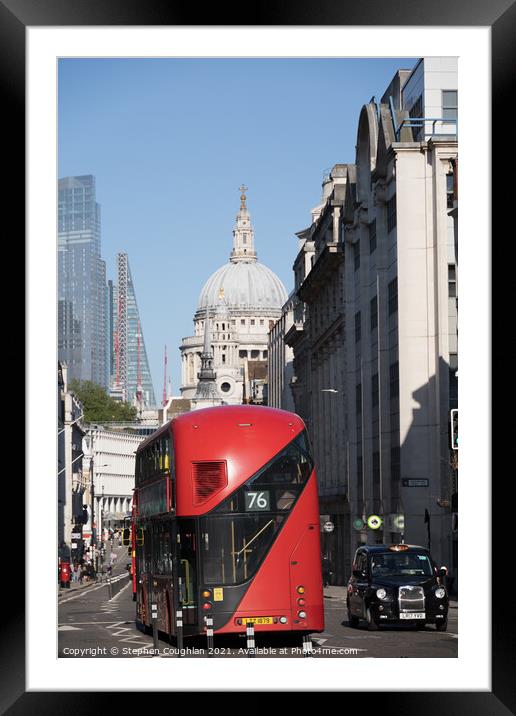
{"points": [[206, 606], [206, 594], [300, 589], [301, 615], [301, 602]]}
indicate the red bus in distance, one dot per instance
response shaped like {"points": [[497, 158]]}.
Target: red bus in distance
{"points": [[227, 523]]}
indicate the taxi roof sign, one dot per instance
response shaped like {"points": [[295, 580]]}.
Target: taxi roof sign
{"points": [[398, 547]]}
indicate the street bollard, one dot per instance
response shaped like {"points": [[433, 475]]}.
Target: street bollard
{"points": [[179, 630], [110, 588], [154, 618], [209, 633], [307, 646], [250, 639]]}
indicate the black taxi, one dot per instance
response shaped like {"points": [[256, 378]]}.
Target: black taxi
{"points": [[397, 584]]}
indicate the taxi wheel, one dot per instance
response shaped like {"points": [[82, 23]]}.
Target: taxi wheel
{"points": [[442, 626], [371, 624]]}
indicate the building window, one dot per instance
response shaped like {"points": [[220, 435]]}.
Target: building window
{"points": [[416, 112], [358, 398], [374, 312], [356, 255], [452, 281], [376, 474], [394, 380], [450, 104], [225, 387], [261, 321], [255, 354], [391, 213], [358, 327], [265, 354], [393, 296], [372, 236], [395, 464], [454, 383], [450, 191], [242, 321], [242, 354], [374, 389], [252, 321]]}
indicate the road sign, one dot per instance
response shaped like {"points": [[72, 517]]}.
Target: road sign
{"points": [[399, 521], [328, 527], [374, 522], [408, 482]]}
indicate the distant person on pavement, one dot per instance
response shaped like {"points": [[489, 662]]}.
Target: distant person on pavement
{"points": [[326, 570]]}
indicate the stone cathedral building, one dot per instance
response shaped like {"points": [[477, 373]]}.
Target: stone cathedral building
{"points": [[240, 301]]}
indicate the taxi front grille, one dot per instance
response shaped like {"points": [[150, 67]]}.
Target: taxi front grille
{"points": [[411, 599]]}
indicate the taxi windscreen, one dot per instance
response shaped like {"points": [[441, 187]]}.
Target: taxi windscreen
{"points": [[391, 564]]}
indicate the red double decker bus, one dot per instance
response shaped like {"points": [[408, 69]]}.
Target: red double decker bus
{"points": [[227, 523]]}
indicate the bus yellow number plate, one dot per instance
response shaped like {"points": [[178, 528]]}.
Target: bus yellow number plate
{"points": [[257, 620], [218, 594]]}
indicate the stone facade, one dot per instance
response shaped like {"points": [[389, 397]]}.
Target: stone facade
{"points": [[375, 338]]}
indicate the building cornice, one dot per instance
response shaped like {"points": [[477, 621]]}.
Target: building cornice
{"points": [[294, 334], [328, 261]]}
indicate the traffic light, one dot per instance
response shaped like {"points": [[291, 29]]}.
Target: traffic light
{"points": [[454, 428]]}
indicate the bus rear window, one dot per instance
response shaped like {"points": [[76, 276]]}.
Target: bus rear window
{"points": [[233, 546]]}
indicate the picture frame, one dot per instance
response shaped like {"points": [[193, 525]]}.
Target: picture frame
{"points": [[15, 17]]}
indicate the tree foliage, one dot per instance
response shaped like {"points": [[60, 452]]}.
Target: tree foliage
{"points": [[98, 405]]}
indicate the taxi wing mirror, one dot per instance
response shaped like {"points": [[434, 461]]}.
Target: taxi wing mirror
{"points": [[443, 572], [139, 537], [126, 536]]}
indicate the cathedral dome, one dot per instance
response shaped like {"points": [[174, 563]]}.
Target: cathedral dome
{"points": [[246, 285], [243, 282]]}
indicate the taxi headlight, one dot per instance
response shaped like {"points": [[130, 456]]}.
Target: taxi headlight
{"points": [[381, 593], [440, 592]]}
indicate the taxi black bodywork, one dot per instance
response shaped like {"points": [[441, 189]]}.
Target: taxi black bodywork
{"points": [[397, 584]]}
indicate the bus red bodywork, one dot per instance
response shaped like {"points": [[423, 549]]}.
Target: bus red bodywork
{"points": [[253, 552]]}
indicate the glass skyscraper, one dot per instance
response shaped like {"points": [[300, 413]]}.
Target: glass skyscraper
{"points": [[83, 340]]}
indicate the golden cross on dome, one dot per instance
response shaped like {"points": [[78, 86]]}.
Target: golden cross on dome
{"points": [[243, 189]]}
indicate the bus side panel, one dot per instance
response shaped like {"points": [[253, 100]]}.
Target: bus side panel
{"points": [[273, 591], [305, 572]]}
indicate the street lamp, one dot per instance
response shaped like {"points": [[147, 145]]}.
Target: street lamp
{"points": [[92, 483]]}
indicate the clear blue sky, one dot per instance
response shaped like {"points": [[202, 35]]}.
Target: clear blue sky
{"points": [[171, 140]]}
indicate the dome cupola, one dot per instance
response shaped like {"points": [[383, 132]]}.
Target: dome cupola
{"points": [[244, 282]]}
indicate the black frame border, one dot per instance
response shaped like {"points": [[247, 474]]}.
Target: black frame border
{"points": [[500, 16]]}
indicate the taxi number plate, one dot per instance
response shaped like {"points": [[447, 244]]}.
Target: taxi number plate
{"points": [[413, 615], [257, 620]]}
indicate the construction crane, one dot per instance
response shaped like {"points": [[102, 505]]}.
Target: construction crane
{"points": [[164, 401]]}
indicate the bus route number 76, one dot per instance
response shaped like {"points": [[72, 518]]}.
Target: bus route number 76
{"points": [[256, 501]]}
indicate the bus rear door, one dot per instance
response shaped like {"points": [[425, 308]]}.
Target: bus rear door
{"points": [[187, 568]]}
